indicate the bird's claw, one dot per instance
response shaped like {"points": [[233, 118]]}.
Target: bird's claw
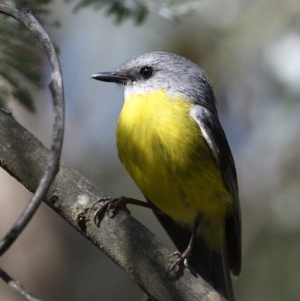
{"points": [[108, 206], [181, 262]]}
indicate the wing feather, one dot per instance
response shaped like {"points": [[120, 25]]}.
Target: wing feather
{"points": [[215, 137]]}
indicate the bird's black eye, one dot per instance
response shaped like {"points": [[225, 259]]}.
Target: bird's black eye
{"points": [[146, 72]]}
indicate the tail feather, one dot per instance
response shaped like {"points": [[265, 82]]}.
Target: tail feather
{"points": [[211, 266]]}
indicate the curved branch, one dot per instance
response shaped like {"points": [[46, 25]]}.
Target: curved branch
{"points": [[16, 285], [56, 87]]}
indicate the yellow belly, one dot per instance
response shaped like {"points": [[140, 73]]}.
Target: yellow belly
{"points": [[164, 151]]}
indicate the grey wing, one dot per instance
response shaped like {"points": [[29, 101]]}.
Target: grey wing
{"points": [[215, 137]]}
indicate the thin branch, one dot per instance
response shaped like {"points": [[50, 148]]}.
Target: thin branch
{"points": [[17, 286], [128, 243], [56, 87]]}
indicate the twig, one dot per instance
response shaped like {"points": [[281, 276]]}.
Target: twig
{"points": [[56, 87], [17, 286]]}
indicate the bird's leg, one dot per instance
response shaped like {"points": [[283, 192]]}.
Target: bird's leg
{"points": [[112, 205], [182, 259]]}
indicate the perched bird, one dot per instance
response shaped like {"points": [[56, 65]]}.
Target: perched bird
{"points": [[172, 144]]}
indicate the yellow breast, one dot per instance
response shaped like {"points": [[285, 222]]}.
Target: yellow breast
{"points": [[164, 151]]}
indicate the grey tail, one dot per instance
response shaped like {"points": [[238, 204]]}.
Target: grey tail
{"points": [[211, 266]]}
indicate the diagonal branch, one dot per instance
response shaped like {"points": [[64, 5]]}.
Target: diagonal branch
{"points": [[129, 244], [56, 87]]}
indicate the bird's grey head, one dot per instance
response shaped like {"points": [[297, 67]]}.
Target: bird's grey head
{"points": [[162, 70]]}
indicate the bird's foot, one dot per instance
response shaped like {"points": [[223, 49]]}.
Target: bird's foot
{"points": [[110, 206], [181, 263]]}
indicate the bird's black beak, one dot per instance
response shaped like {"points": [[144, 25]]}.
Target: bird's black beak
{"points": [[111, 77]]}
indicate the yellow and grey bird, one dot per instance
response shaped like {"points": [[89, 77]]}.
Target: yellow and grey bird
{"points": [[172, 144]]}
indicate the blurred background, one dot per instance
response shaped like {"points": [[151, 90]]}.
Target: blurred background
{"points": [[251, 51]]}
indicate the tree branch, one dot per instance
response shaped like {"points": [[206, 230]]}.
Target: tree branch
{"points": [[16, 285], [128, 243], [56, 87]]}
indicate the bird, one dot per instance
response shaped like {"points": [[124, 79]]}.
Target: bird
{"points": [[172, 144]]}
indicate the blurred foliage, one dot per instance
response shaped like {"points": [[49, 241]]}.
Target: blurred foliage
{"points": [[20, 56], [122, 10], [139, 9]]}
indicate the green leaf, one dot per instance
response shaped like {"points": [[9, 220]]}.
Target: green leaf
{"points": [[120, 9], [24, 98]]}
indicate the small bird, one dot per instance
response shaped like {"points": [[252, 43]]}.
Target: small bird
{"points": [[171, 142]]}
